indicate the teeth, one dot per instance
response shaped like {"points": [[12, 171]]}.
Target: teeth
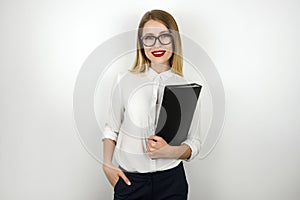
{"points": [[160, 52]]}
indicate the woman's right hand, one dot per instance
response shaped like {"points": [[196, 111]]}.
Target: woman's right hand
{"points": [[114, 173]]}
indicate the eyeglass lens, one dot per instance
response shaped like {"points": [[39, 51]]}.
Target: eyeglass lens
{"points": [[164, 39]]}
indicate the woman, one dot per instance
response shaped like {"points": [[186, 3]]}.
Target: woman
{"points": [[149, 168]]}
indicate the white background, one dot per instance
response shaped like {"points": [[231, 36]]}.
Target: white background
{"points": [[254, 45]]}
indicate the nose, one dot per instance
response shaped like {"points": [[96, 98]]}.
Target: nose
{"points": [[157, 43]]}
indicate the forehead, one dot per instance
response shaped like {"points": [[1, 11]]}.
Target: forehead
{"points": [[154, 27]]}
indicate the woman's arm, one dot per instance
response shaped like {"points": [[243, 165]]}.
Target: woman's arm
{"points": [[110, 135], [112, 173], [181, 152], [108, 151], [157, 147]]}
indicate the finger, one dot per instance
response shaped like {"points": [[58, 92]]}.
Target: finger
{"points": [[156, 138], [124, 177], [115, 181], [151, 143], [152, 146], [150, 154], [150, 149], [148, 146], [152, 138]]}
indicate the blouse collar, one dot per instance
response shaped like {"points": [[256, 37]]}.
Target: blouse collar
{"points": [[153, 75]]}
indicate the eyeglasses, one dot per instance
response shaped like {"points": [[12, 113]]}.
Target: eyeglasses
{"points": [[150, 40]]}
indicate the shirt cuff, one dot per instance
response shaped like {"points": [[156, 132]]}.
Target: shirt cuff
{"points": [[109, 133], [195, 149]]}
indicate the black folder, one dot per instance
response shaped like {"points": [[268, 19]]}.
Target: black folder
{"points": [[176, 112]]}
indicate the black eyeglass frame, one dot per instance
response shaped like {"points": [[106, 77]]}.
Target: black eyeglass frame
{"points": [[157, 38]]}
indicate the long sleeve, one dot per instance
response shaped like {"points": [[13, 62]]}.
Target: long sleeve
{"points": [[194, 135], [130, 119], [116, 112]]}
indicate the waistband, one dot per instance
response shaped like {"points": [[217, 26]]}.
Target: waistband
{"points": [[180, 165]]}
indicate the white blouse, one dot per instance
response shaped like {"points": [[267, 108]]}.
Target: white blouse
{"points": [[133, 114]]}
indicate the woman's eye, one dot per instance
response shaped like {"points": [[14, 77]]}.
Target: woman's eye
{"points": [[165, 35], [148, 37]]}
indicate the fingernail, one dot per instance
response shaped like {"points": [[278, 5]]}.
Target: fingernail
{"points": [[129, 183]]}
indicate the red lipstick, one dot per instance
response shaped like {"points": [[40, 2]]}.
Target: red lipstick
{"points": [[158, 53]]}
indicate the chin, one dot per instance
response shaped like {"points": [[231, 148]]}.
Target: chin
{"points": [[160, 60], [160, 63]]}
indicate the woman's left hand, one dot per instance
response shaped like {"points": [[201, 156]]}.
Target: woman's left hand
{"points": [[157, 147]]}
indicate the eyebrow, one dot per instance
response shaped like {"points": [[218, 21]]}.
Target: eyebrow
{"points": [[159, 32]]}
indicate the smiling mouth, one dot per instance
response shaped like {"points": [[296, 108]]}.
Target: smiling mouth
{"points": [[158, 53]]}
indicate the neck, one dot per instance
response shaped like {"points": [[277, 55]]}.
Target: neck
{"points": [[159, 67]]}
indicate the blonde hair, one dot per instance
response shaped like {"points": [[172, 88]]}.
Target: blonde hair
{"points": [[176, 61]]}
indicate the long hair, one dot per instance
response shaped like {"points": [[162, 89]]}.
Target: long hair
{"points": [[176, 61]]}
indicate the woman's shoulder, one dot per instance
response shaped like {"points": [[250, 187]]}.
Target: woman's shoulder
{"points": [[177, 79], [128, 76]]}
